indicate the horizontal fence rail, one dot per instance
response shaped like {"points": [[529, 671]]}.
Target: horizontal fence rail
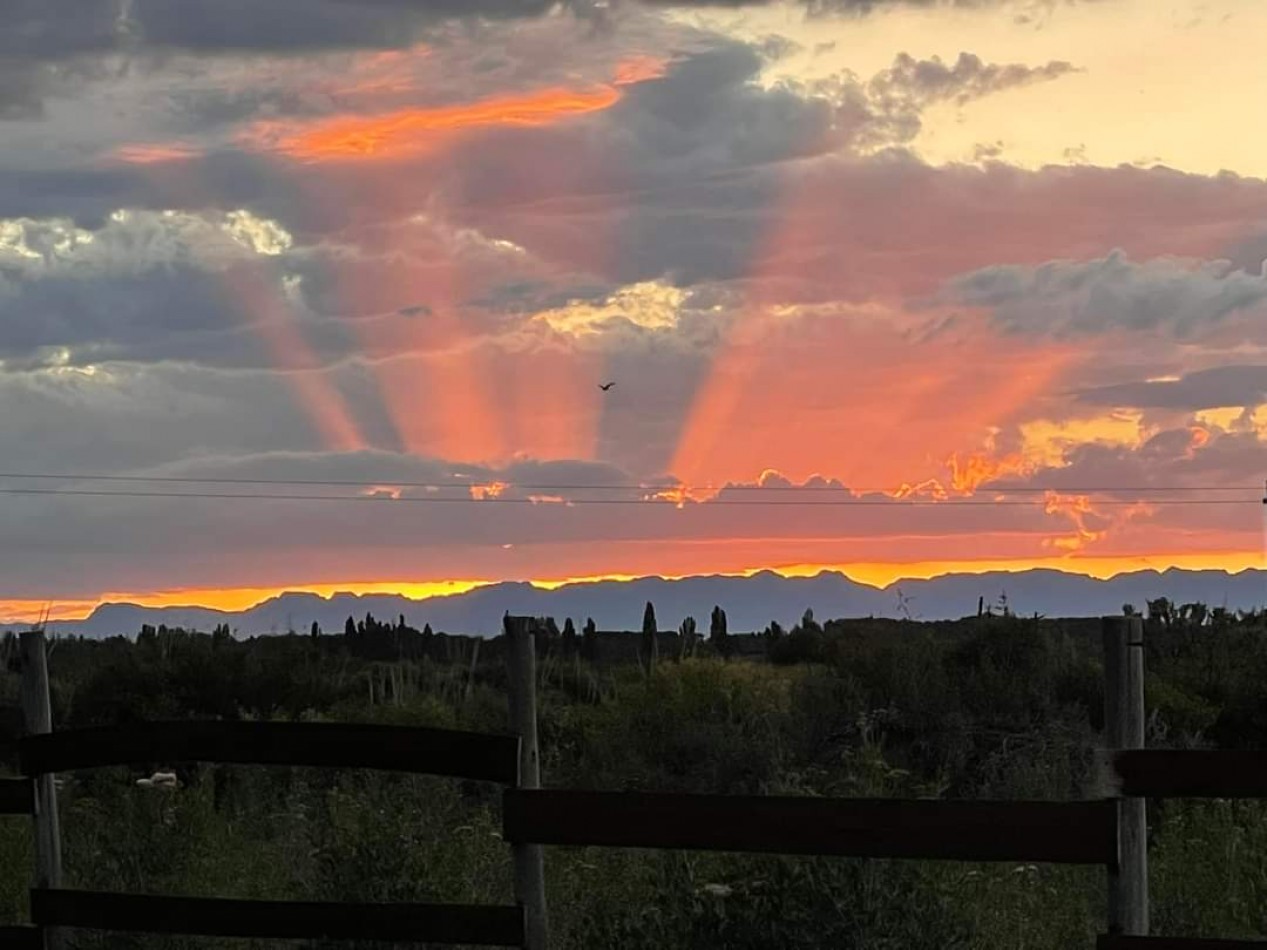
{"points": [[1057, 832], [21, 938], [1188, 773], [468, 755], [482, 925], [1120, 942], [17, 796]]}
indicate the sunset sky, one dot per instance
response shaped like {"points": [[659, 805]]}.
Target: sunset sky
{"points": [[926, 286]]}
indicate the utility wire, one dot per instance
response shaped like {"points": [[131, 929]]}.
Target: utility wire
{"points": [[551, 487], [576, 502]]}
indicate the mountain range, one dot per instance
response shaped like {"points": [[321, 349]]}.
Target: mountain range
{"points": [[750, 602]]}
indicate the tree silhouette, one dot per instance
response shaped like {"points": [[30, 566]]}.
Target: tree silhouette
{"points": [[717, 632], [569, 634], [687, 633], [650, 644], [648, 619], [589, 640]]}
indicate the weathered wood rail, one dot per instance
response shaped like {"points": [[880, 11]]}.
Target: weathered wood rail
{"points": [[220, 917], [1188, 773], [1054, 832], [469, 755], [1093, 832]]}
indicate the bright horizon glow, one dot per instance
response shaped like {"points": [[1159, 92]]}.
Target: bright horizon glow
{"points": [[878, 575]]}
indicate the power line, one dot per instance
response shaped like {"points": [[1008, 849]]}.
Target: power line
{"points": [[554, 487], [576, 502]]}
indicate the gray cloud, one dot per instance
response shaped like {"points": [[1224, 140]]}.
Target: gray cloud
{"points": [[898, 95], [79, 537], [142, 285], [36, 29], [1074, 298], [699, 166], [118, 417], [1218, 387], [1248, 254]]}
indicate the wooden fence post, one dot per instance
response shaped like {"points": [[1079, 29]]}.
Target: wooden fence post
{"points": [[1124, 729], [529, 858], [37, 711]]}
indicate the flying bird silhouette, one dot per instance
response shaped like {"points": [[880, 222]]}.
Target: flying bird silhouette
{"points": [[605, 386]]}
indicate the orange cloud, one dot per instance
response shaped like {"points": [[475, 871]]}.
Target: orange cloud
{"points": [[638, 69], [414, 131], [1090, 524], [491, 490], [159, 153], [969, 472]]}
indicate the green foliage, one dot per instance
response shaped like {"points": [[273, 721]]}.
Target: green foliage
{"points": [[991, 707]]}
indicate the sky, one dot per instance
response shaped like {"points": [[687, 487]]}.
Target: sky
{"points": [[322, 292]]}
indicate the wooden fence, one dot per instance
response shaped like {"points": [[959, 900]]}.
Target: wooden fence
{"points": [[1107, 831]]}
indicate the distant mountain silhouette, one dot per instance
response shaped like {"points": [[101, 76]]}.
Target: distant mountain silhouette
{"points": [[750, 602]]}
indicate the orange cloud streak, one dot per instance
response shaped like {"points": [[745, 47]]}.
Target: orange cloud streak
{"points": [[408, 132], [638, 69], [155, 154]]}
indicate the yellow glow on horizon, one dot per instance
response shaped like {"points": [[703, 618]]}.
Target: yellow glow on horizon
{"points": [[880, 574]]}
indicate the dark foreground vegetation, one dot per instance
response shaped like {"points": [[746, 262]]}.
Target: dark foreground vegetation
{"points": [[992, 707]]}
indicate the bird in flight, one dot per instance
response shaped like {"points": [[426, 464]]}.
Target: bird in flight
{"points": [[606, 386]]}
